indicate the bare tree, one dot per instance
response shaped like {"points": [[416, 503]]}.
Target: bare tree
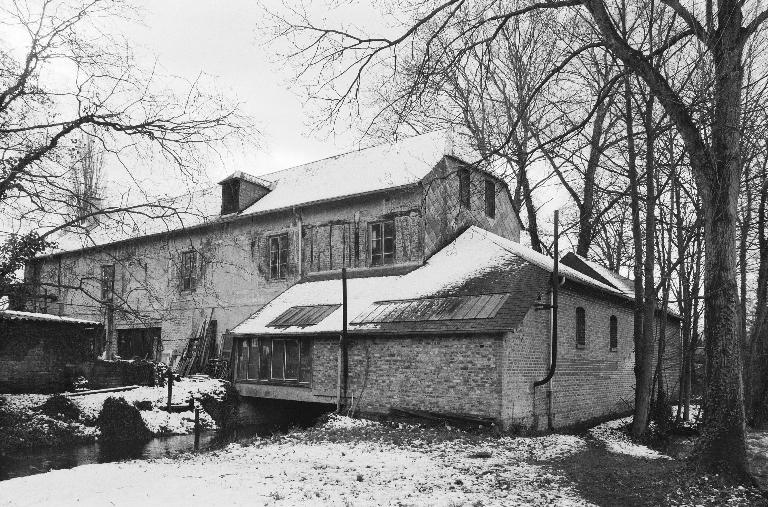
{"points": [[72, 78], [713, 147]]}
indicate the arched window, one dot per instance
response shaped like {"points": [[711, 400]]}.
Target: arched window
{"points": [[581, 328], [614, 328]]}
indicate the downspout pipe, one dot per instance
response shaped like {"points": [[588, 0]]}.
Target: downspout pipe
{"points": [[555, 284]]}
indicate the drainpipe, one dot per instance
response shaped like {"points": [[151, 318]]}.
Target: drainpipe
{"points": [[343, 366], [555, 284]]}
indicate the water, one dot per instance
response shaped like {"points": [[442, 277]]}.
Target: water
{"points": [[40, 460]]}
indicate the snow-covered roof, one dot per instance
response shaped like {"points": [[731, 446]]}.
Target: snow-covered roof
{"points": [[476, 263], [598, 271], [378, 168], [386, 166], [45, 317]]}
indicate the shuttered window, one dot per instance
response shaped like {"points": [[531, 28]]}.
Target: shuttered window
{"points": [[188, 270], [581, 328], [490, 198], [464, 188]]}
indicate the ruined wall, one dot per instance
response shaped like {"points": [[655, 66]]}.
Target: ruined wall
{"points": [[445, 218]]}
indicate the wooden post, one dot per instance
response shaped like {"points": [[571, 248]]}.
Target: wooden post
{"points": [[197, 428], [170, 388]]}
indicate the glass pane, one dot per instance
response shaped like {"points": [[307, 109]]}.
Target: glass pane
{"points": [[389, 246], [253, 359], [291, 360], [305, 368], [278, 359], [265, 359], [389, 229]]}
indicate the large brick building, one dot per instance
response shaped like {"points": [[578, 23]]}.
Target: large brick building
{"points": [[447, 311]]}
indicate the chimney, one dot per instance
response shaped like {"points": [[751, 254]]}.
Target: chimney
{"points": [[240, 190]]}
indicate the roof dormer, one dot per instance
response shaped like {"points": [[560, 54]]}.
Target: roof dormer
{"points": [[240, 190]]}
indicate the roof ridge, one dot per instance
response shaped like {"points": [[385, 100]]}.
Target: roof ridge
{"points": [[349, 152]]}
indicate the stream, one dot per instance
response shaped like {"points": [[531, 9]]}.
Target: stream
{"points": [[44, 459]]}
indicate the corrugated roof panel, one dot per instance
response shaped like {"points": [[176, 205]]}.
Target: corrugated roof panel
{"points": [[484, 306], [302, 316]]}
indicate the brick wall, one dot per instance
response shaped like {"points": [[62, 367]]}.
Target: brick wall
{"points": [[593, 382]]}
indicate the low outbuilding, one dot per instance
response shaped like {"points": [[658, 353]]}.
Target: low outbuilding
{"points": [[466, 334]]}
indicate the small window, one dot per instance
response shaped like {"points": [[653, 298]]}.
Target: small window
{"points": [[490, 198], [188, 270], [581, 331], [107, 283], [464, 188], [383, 243], [614, 330], [278, 256]]}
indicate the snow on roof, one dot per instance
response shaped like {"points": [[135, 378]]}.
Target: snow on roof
{"points": [[16, 315], [622, 284], [247, 177], [471, 256], [367, 170], [398, 164]]}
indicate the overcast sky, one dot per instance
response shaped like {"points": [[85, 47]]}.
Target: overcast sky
{"points": [[223, 39]]}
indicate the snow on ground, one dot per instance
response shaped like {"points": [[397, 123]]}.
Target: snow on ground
{"points": [[308, 468], [160, 422], [611, 434]]}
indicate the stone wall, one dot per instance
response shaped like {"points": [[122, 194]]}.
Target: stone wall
{"points": [[36, 356]]}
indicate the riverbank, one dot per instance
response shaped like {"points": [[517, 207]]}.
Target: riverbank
{"points": [[356, 462], [39, 420]]}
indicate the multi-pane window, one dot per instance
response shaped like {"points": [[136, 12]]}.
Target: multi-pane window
{"points": [[188, 270], [383, 243], [107, 282], [464, 188], [581, 328], [276, 360], [614, 333], [490, 198], [278, 256]]}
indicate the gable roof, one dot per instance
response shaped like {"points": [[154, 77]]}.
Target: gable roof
{"points": [[596, 270], [442, 295], [378, 168]]}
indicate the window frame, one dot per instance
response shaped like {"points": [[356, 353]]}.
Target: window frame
{"points": [[465, 181], [386, 257], [260, 367], [581, 327], [188, 271], [490, 198], [613, 333], [278, 260]]}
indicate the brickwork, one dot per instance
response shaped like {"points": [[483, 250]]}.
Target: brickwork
{"points": [[592, 382]]}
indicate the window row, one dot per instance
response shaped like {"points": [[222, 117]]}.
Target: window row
{"points": [[283, 360], [489, 193], [581, 330]]}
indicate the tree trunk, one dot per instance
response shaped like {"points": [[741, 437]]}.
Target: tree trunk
{"points": [[587, 208], [642, 398], [758, 409], [644, 349]]}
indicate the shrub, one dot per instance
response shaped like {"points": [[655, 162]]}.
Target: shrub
{"points": [[59, 406], [223, 409], [120, 421]]}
